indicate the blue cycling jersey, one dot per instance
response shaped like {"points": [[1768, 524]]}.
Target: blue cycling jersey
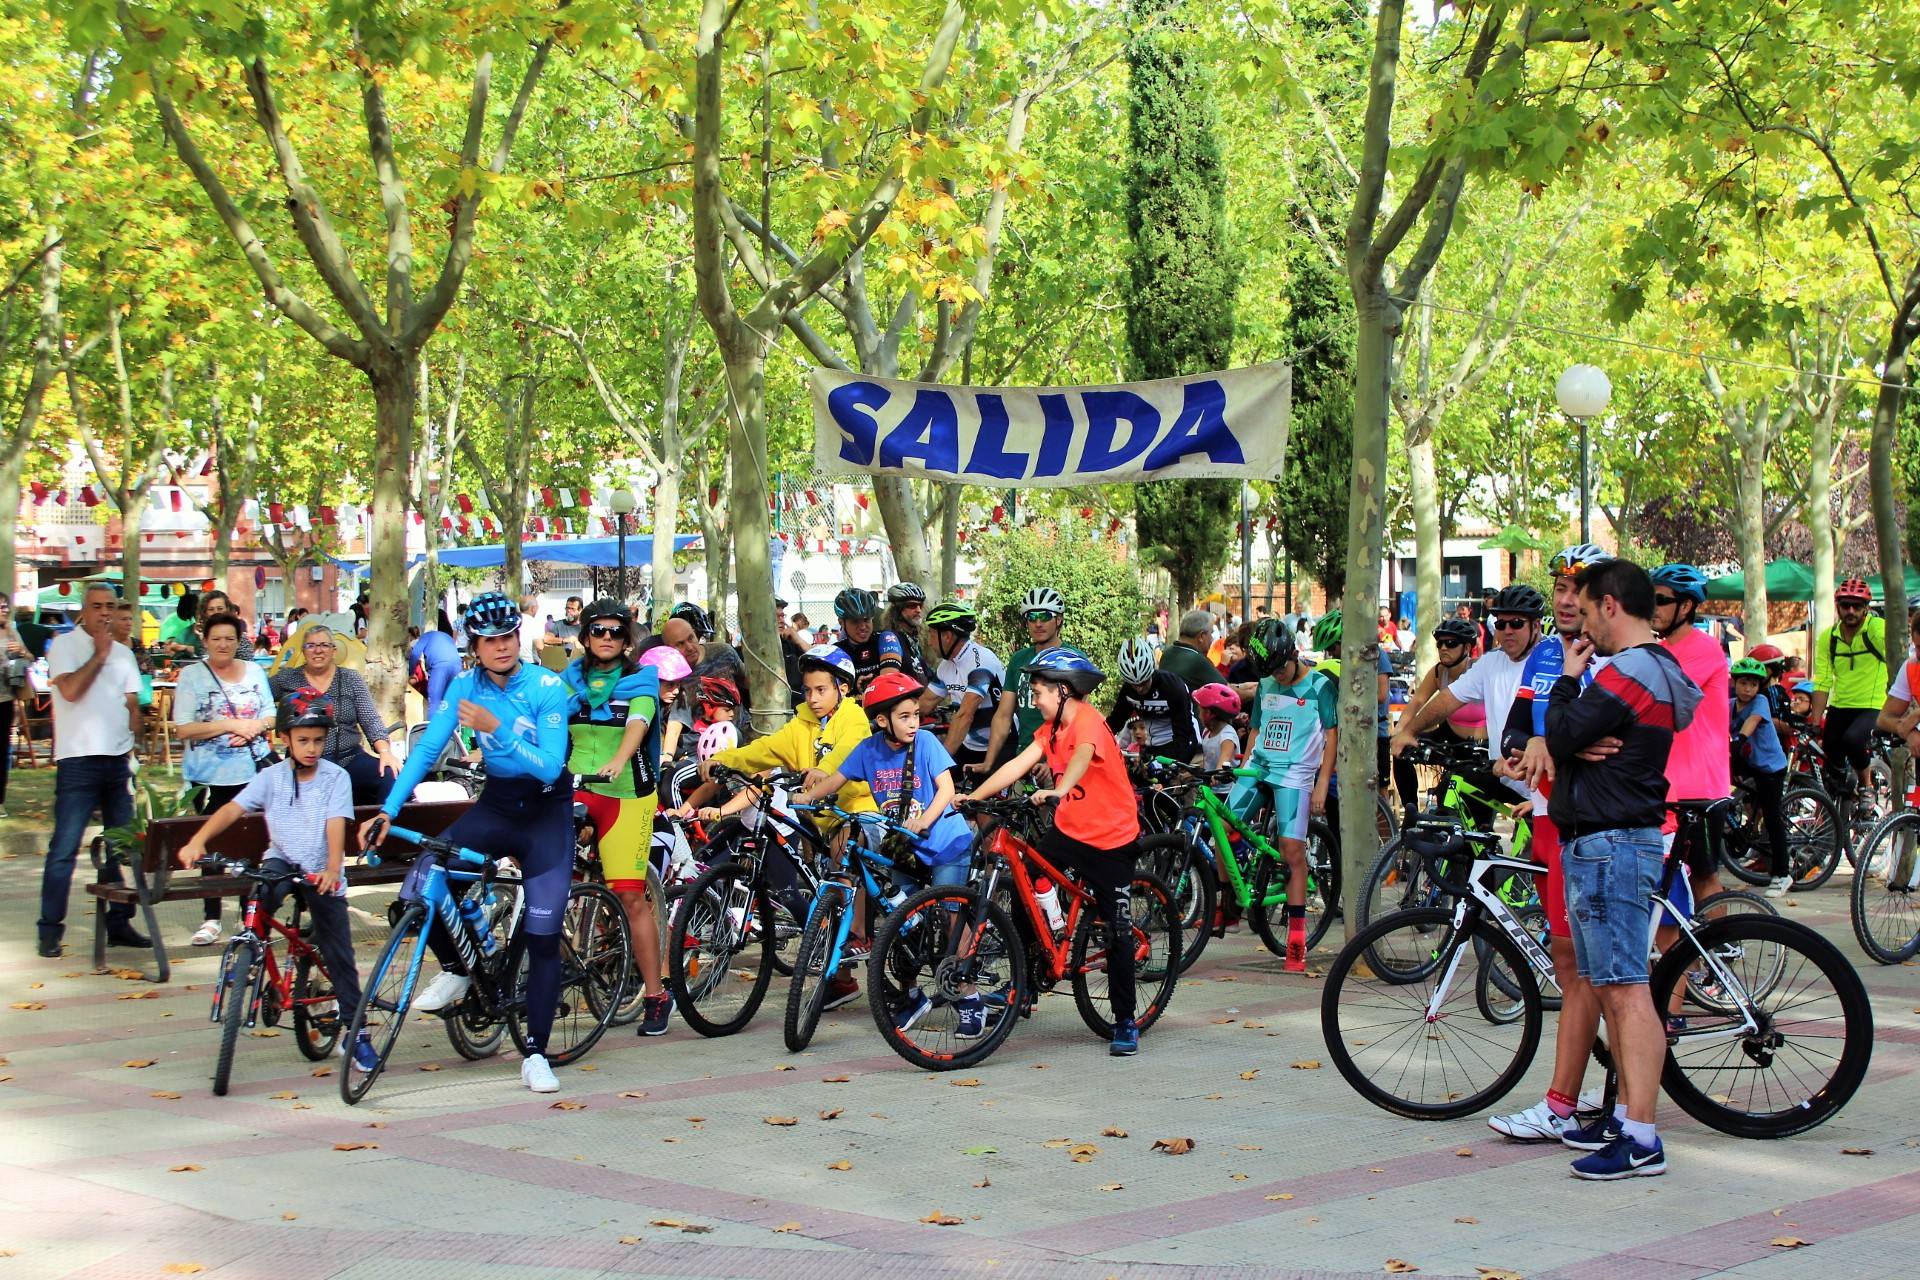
{"points": [[531, 741], [436, 661], [1544, 665]]}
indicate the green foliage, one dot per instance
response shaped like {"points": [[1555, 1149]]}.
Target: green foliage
{"points": [[1311, 497], [151, 802], [1181, 281], [1102, 591]]}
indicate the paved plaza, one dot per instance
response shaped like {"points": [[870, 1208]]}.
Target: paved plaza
{"points": [[659, 1159]]}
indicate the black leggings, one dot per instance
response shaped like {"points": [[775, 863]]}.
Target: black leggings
{"points": [[6, 745], [1844, 737], [1770, 789], [1107, 874], [210, 800]]}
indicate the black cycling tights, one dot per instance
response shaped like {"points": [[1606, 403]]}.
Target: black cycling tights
{"points": [[1844, 737]]}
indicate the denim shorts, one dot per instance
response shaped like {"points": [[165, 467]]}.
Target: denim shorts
{"points": [[1610, 876]]}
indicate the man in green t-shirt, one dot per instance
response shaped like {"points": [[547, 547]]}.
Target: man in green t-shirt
{"points": [[1187, 657], [1044, 612]]}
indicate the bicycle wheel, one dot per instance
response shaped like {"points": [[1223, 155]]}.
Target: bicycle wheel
{"points": [[1808, 1051], [1743, 843], [1397, 881], [1268, 910], [1499, 994], [631, 1005], [1323, 871], [807, 992], [316, 1016], [1813, 837], [596, 959], [1188, 872], [239, 971], [720, 957], [383, 1004], [928, 954], [1423, 1047], [1885, 906], [1385, 820], [1156, 958], [1702, 987]]}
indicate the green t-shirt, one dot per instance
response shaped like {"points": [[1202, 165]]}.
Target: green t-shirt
{"points": [[1026, 716], [178, 630], [1190, 665]]}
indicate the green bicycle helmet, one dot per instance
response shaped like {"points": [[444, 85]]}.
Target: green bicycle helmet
{"points": [[1327, 631], [1752, 667], [952, 615]]}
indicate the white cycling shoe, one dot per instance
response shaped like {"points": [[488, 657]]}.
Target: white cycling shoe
{"points": [[538, 1076], [443, 991], [1536, 1124]]}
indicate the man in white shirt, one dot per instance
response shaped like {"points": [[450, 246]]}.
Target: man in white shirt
{"points": [[96, 710]]}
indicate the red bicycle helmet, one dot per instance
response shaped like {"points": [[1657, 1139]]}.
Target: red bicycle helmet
{"points": [[889, 689], [1767, 653], [1852, 589], [1218, 697]]}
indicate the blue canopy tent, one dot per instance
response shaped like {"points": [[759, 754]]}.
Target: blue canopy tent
{"points": [[599, 553]]}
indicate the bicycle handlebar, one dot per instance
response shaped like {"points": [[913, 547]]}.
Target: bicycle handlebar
{"points": [[241, 867], [431, 845]]}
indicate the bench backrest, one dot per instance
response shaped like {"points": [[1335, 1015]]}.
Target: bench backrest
{"points": [[247, 838]]}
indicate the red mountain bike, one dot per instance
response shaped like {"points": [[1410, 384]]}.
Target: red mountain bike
{"points": [[254, 987]]}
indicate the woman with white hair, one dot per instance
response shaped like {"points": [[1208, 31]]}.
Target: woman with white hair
{"points": [[354, 716]]}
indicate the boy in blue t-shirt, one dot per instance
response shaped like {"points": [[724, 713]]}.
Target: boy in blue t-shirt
{"points": [[922, 803], [1757, 755]]}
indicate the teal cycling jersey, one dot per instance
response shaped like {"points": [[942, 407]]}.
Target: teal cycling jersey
{"points": [[531, 741]]}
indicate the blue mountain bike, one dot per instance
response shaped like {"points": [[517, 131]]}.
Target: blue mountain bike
{"points": [[596, 956]]}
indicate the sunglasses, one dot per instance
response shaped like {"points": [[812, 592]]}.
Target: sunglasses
{"points": [[1664, 602], [1851, 604], [1511, 624], [1450, 642], [1039, 615], [607, 633]]}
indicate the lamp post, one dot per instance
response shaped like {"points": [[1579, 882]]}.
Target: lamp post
{"points": [[1247, 498], [621, 503], [1583, 392]]}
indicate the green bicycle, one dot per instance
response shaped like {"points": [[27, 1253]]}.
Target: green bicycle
{"points": [[1399, 880], [1210, 857]]}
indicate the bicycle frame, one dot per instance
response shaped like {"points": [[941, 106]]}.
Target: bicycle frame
{"points": [[431, 879], [257, 932], [861, 860], [1014, 853], [1221, 820]]}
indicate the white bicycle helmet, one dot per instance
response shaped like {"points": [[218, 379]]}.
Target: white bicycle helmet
{"points": [[1136, 661], [721, 735], [1043, 600]]}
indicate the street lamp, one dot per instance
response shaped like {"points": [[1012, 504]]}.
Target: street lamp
{"points": [[621, 503], [1583, 392]]}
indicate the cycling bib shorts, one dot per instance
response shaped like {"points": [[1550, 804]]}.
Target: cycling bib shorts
{"points": [[625, 828]]}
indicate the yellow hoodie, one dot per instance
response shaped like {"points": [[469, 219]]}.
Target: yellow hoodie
{"points": [[804, 742]]}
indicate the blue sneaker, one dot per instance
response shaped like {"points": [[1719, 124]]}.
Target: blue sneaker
{"points": [[914, 1007], [1126, 1039], [655, 1012], [364, 1058], [1622, 1158], [1596, 1136], [973, 1018]]}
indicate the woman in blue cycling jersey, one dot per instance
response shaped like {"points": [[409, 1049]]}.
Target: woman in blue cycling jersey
{"points": [[518, 715]]}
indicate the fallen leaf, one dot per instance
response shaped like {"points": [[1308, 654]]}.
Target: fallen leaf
{"points": [[285, 1095], [971, 1082], [264, 1033], [629, 1239], [1214, 1097], [1058, 1144], [691, 1228], [832, 1114], [430, 1066], [588, 1067], [1113, 1133], [1376, 1171], [985, 1181], [1464, 1152], [183, 1168], [1398, 1267], [1471, 1222], [1306, 1064], [669, 1139], [1856, 1151], [1498, 1273], [1238, 1177], [321, 1073], [696, 1119], [29, 1006], [1083, 1152], [302, 1106], [841, 1166], [129, 975], [167, 1094], [289, 1217], [1246, 1148], [184, 1268], [567, 1104], [1250, 1075], [138, 995], [634, 1093], [1221, 1022], [374, 1124], [1173, 1146], [1789, 1242], [356, 1146], [781, 1122], [981, 1151], [786, 1228], [941, 1218], [1113, 1186], [138, 1064], [1284, 1195], [785, 1066], [1039, 1066], [1254, 1026], [835, 1079]]}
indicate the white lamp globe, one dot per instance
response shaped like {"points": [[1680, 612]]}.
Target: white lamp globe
{"points": [[1583, 391], [621, 502]]}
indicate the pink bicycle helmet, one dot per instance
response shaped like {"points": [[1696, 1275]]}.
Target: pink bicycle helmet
{"points": [[720, 736], [1218, 697], [666, 660]]}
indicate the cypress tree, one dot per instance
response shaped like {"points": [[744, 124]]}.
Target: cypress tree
{"points": [[1181, 280]]}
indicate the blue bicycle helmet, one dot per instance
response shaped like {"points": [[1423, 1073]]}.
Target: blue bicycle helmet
{"points": [[1683, 580], [492, 614], [1066, 666]]}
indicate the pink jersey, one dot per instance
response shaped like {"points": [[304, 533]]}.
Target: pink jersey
{"points": [[1700, 766]]}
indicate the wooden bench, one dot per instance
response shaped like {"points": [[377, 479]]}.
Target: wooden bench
{"points": [[154, 880]]}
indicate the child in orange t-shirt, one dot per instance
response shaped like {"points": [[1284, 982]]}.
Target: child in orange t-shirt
{"points": [[1096, 827]]}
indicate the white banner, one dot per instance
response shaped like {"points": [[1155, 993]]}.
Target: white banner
{"points": [[1231, 424]]}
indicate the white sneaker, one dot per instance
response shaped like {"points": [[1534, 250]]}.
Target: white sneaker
{"points": [[445, 990], [1591, 1100], [207, 934], [1536, 1124], [538, 1076], [1778, 886]]}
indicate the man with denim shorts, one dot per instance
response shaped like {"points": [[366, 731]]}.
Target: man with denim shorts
{"points": [[1609, 810]]}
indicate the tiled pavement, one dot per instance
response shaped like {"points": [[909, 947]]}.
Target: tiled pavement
{"points": [[471, 1178]]}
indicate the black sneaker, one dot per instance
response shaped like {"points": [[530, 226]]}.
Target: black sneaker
{"points": [[841, 991], [50, 948], [127, 936], [655, 1012]]}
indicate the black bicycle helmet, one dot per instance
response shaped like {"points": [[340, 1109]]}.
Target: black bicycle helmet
{"points": [[605, 609], [492, 614], [953, 615], [1457, 629], [306, 708], [855, 603], [1518, 597], [694, 616], [1272, 646]]}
